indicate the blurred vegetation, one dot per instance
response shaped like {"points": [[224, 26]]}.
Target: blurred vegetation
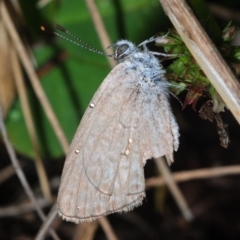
{"points": [[76, 73]]}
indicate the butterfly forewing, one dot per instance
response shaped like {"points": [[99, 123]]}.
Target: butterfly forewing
{"points": [[106, 131]]}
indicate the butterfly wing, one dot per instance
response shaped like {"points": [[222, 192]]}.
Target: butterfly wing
{"points": [[120, 130]]}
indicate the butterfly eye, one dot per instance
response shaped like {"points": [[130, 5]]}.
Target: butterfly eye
{"points": [[121, 50]]}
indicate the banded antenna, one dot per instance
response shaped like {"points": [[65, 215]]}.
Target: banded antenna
{"points": [[78, 41]]}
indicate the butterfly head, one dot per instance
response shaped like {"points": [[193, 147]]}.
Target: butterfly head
{"points": [[123, 49]]}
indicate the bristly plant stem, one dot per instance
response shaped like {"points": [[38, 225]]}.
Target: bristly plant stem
{"points": [[205, 53]]}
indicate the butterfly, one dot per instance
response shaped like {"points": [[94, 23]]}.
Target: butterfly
{"points": [[128, 121]]}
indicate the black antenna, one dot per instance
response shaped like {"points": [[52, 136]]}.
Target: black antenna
{"points": [[80, 42]]}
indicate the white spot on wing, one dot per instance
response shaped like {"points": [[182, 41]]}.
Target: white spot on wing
{"points": [[91, 105], [127, 151]]}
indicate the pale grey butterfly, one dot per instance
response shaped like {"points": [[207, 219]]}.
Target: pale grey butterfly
{"points": [[128, 121]]}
